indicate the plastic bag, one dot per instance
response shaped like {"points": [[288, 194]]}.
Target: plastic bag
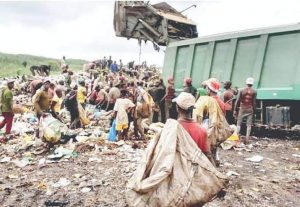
{"points": [[112, 135], [83, 117], [51, 129], [19, 109]]}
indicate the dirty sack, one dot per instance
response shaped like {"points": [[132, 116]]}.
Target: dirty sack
{"points": [[174, 172], [232, 141], [83, 116], [51, 129], [208, 111], [143, 109]]}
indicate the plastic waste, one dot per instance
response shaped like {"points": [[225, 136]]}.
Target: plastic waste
{"points": [[5, 159], [85, 190], [112, 135], [97, 115], [83, 116], [23, 162], [255, 158], [19, 109], [61, 152], [51, 128], [97, 132], [230, 173], [61, 183]]}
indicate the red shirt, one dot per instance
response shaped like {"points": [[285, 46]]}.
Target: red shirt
{"points": [[197, 133], [228, 97], [95, 97], [170, 93], [221, 103]]}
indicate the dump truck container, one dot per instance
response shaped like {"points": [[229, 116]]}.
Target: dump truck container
{"points": [[270, 55]]}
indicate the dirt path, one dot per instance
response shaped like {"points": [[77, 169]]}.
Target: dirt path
{"points": [[275, 181]]}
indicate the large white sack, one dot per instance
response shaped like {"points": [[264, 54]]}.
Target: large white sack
{"points": [[51, 129], [174, 172]]}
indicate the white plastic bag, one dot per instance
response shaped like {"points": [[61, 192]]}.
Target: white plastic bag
{"points": [[51, 128]]}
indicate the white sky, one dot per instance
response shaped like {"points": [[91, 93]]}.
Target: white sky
{"points": [[85, 29]]}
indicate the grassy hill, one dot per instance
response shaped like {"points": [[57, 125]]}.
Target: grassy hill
{"points": [[13, 65]]}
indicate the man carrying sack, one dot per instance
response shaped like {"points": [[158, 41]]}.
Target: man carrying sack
{"points": [[174, 172]]}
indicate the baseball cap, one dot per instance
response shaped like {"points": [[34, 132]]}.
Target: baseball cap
{"points": [[250, 81], [185, 100]]}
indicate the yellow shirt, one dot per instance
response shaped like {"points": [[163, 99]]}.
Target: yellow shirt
{"points": [[41, 101], [80, 94], [58, 102]]}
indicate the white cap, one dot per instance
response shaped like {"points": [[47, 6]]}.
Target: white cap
{"points": [[249, 81], [72, 85], [10, 81], [185, 100], [46, 80]]}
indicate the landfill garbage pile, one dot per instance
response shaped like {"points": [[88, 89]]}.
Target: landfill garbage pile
{"points": [[85, 169], [94, 172], [75, 172]]}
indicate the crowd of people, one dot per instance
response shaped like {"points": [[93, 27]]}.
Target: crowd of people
{"points": [[133, 94]]}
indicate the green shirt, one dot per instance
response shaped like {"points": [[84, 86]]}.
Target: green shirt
{"points": [[7, 100], [202, 92]]}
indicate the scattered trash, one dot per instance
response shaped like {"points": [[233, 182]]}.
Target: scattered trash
{"points": [[230, 173], [94, 159], [255, 189], [56, 203], [120, 143], [61, 183], [12, 176], [42, 161], [61, 152], [22, 163], [42, 185], [255, 158], [5, 159], [85, 190], [295, 155], [228, 145]]}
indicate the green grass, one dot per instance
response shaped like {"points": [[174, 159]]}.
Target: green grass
{"points": [[12, 65]]}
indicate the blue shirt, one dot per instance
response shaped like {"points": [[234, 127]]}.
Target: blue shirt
{"points": [[114, 67]]}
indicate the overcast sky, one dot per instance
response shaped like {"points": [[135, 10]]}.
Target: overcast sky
{"points": [[85, 29]]}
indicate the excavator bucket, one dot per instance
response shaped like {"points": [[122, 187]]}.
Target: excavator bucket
{"points": [[159, 23]]}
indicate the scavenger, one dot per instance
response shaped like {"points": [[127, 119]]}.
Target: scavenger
{"points": [[245, 107]]}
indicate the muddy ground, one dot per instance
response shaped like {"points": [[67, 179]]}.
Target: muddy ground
{"points": [[96, 176]]}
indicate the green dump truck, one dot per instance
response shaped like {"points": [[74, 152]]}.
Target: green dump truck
{"points": [[270, 55]]}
